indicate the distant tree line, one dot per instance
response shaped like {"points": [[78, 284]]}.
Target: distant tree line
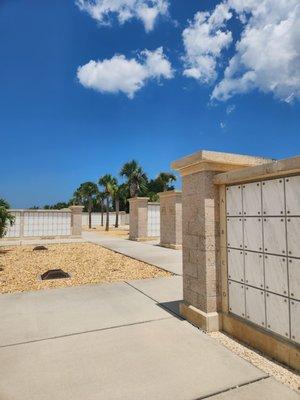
{"points": [[6, 218], [108, 194]]}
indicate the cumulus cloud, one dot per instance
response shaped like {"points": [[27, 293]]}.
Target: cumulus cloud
{"points": [[204, 40], [128, 76], [266, 56], [146, 11]]}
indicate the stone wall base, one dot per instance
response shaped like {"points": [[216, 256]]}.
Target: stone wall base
{"points": [[266, 342], [209, 322], [171, 246]]}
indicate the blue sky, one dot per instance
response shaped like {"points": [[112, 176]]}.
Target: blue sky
{"points": [[56, 132]]}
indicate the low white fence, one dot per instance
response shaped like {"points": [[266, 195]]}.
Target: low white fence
{"points": [[96, 219], [40, 223]]}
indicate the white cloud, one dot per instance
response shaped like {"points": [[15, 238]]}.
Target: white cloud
{"points": [[222, 125], [267, 55], [230, 109], [120, 74], [204, 40], [146, 11]]}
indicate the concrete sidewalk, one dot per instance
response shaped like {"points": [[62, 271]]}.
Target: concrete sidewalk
{"points": [[151, 253], [117, 341]]}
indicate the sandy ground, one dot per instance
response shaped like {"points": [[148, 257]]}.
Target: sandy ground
{"points": [[21, 267], [283, 374], [121, 232]]}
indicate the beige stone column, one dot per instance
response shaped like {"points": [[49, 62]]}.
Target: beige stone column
{"points": [[76, 220], [138, 218], [170, 219], [201, 232]]}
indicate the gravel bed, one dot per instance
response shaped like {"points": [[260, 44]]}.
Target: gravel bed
{"points": [[283, 374], [120, 233], [21, 267]]}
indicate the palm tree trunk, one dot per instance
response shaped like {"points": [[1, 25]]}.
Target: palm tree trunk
{"points": [[107, 214], [117, 212], [102, 212], [90, 206]]}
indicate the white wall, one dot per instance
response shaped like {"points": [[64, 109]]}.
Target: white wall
{"points": [[263, 230], [153, 219], [96, 219], [39, 223]]}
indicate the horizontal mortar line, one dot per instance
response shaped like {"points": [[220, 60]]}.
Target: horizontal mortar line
{"points": [[232, 388], [265, 253], [83, 333], [151, 298], [265, 290]]}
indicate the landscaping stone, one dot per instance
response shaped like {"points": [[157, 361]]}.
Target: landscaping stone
{"points": [[85, 262]]}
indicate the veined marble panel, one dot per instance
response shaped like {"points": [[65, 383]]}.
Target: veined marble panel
{"points": [[236, 265], [292, 190], [236, 298], [234, 200], [274, 235], [252, 199], [276, 274], [255, 306], [253, 233], [273, 197], [254, 269], [277, 309]]}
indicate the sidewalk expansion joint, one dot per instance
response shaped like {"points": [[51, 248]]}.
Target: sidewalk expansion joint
{"points": [[151, 298], [232, 388], [82, 333]]}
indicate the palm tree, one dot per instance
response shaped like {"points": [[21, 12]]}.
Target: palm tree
{"points": [[120, 193], [136, 177], [77, 198], [165, 179], [87, 191], [109, 183], [5, 217], [100, 198]]}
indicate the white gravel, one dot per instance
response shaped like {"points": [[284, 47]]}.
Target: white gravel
{"points": [[283, 374]]}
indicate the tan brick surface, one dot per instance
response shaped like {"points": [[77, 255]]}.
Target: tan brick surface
{"points": [[138, 218], [171, 219]]}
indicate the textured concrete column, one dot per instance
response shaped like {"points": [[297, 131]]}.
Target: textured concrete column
{"points": [[170, 219], [201, 232], [138, 218], [76, 220]]}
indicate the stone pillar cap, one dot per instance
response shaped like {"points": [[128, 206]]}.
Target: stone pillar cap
{"points": [[138, 198], [170, 193], [205, 160], [76, 208]]}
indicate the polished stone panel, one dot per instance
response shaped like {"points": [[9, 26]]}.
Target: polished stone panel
{"points": [[277, 308], [253, 234], [236, 265], [235, 232], [254, 269], [275, 235], [273, 197], [234, 201], [252, 199], [276, 275], [255, 306], [237, 298]]}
